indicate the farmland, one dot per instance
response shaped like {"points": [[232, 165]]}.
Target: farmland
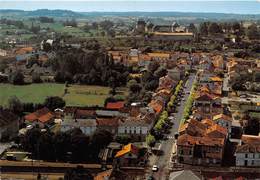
{"points": [[77, 95]]}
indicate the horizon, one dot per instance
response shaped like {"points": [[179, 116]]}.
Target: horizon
{"points": [[190, 6]]}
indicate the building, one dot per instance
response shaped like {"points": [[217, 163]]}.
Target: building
{"points": [[79, 118], [248, 151], [223, 120], [108, 124], [201, 143], [3, 52], [128, 155], [9, 125], [42, 117], [115, 105], [183, 175]]}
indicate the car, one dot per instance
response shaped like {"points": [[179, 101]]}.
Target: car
{"points": [[155, 168]]}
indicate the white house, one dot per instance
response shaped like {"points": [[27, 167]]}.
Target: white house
{"points": [[248, 152], [83, 119], [137, 126], [87, 126]]}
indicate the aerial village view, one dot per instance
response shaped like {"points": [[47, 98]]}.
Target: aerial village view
{"points": [[127, 90]]}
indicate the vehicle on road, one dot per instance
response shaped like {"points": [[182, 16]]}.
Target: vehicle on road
{"points": [[155, 168]]}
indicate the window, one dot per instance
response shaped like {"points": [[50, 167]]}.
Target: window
{"points": [[245, 155]]}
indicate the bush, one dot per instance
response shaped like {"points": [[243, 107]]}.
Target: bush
{"points": [[17, 78], [150, 140], [123, 139]]}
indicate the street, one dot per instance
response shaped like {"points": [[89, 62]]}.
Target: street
{"points": [[166, 145]]}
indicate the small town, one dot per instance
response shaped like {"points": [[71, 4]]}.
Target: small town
{"points": [[134, 97]]}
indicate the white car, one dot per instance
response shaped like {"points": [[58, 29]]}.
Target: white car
{"points": [[155, 168]]}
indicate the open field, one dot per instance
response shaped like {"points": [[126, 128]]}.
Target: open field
{"points": [[77, 95]]}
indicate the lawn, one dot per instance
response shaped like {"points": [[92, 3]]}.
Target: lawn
{"points": [[77, 95]]}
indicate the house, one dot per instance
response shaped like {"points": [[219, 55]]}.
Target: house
{"points": [[183, 175], [115, 105], [200, 150], [137, 126], [113, 174], [248, 151], [157, 106], [108, 124], [207, 105], [9, 125], [223, 120], [84, 119], [167, 82], [42, 117], [201, 143], [176, 73], [128, 155], [3, 52]]}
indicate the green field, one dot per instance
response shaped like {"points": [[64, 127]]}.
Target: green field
{"points": [[77, 95]]}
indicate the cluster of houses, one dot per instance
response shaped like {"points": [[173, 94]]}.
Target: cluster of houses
{"points": [[219, 117], [135, 120]]}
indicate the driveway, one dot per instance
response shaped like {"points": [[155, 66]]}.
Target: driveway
{"points": [[163, 160]]}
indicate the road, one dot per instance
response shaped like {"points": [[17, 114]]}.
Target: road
{"points": [[163, 160], [30, 176]]}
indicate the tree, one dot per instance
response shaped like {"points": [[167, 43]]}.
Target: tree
{"points": [[54, 102], [192, 28], [150, 140], [36, 78], [203, 28], [106, 25], [134, 87], [15, 105], [214, 28], [123, 139], [17, 78], [153, 66], [160, 72], [252, 32]]}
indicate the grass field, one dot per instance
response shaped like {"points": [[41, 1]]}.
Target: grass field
{"points": [[77, 95]]}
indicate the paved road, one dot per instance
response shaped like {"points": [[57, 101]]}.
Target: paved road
{"points": [[30, 176], [163, 161]]}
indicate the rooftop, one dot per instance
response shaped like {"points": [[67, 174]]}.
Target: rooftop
{"points": [[130, 148]]}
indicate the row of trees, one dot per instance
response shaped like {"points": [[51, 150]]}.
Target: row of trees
{"points": [[189, 103], [173, 98], [18, 107], [70, 146], [236, 28], [16, 23]]}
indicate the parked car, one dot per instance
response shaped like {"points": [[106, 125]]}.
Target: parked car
{"points": [[155, 168]]}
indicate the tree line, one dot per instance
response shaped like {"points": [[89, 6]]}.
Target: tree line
{"points": [[71, 146], [92, 66]]}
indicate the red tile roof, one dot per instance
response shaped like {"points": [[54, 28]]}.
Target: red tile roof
{"points": [[115, 105], [82, 113], [43, 115], [113, 122]]}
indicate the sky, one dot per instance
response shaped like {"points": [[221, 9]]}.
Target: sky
{"points": [[220, 6]]}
